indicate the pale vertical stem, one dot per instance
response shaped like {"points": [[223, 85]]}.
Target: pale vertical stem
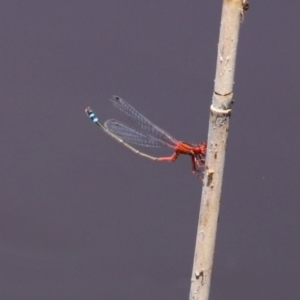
{"points": [[216, 146]]}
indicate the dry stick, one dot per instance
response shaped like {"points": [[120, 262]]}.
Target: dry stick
{"points": [[220, 111]]}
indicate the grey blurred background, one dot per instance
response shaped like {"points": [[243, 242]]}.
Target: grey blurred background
{"points": [[82, 217]]}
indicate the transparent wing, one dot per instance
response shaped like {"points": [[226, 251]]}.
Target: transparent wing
{"points": [[146, 125], [130, 135]]}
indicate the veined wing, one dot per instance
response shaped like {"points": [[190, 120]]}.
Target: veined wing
{"points": [[147, 126], [130, 135]]}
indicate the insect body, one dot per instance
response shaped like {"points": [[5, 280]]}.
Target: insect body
{"points": [[149, 135]]}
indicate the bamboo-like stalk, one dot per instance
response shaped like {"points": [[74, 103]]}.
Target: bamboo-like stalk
{"points": [[220, 111]]}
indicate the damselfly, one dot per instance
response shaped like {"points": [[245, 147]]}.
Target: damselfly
{"points": [[150, 135]]}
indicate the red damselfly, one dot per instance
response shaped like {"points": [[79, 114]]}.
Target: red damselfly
{"points": [[149, 136]]}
